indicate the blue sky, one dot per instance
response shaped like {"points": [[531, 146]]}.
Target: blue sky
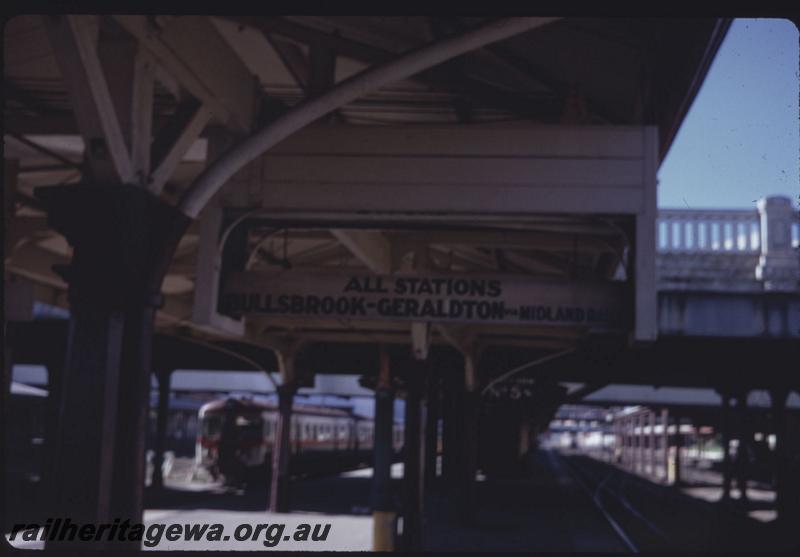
{"points": [[741, 138]]}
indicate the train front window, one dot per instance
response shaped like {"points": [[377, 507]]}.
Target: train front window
{"points": [[212, 425], [249, 428]]}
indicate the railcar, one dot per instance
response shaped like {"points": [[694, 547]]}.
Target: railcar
{"points": [[25, 462], [236, 436]]}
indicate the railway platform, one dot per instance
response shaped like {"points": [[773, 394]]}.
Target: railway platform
{"points": [[544, 510], [561, 501]]}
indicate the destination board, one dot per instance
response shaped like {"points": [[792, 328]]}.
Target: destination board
{"points": [[439, 298]]}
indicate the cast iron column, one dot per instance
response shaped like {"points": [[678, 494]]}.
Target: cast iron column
{"points": [[383, 507], [279, 482], [726, 446], [469, 455], [451, 428], [652, 444], [782, 481], [432, 429], [743, 433], [123, 239], [643, 420], [161, 428], [678, 447], [414, 465], [623, 431], [665, 443]]}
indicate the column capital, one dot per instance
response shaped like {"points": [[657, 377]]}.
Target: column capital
{"points": [[123, 239]]}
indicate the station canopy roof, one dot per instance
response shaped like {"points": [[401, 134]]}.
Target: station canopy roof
{"points": [[618, 71], [616, 395], [250, 69]]}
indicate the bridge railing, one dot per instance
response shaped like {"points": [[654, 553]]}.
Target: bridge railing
{"points": [[687, 230], [765, 239]]}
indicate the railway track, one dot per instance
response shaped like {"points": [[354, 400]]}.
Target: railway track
{"points": [[652, 517], [633, 528]]}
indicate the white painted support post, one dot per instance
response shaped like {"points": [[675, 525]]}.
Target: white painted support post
{"points": [[75, 48], [209, 264]]}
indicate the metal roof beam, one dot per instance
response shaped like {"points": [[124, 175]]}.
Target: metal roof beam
{"points": [[175, 140], [443, 78], [552, 81], [43, 150], [369, 246], [130, 74], [14, 93], [81, 69], [322, 66], [369, 80], [292, 58], [192, 50]]}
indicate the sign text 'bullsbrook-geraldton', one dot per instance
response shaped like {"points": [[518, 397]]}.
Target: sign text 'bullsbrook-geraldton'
{"points": [[428, 298]]}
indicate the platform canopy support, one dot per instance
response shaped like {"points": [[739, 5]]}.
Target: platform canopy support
{"points": [[123, 238], [651, 460], [678, 481], [725, 426], [163, 378], [665, 444], [745, 436], [469, 437], [281, 447], [106, 382], [432, 428], [451, 427], [384, 513], [415, 438], [782, 480]]}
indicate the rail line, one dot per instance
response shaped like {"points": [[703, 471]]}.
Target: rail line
{"points": [[596, 488]]}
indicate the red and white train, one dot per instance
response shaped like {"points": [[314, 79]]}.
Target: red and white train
{"points": [[235, 439]]}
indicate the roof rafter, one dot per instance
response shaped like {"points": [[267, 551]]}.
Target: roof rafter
{"points": [[442, 78], [81, 69], [371, 247], [192, 50]]}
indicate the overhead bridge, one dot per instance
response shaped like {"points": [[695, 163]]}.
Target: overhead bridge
{"points": [[729, 273]]}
